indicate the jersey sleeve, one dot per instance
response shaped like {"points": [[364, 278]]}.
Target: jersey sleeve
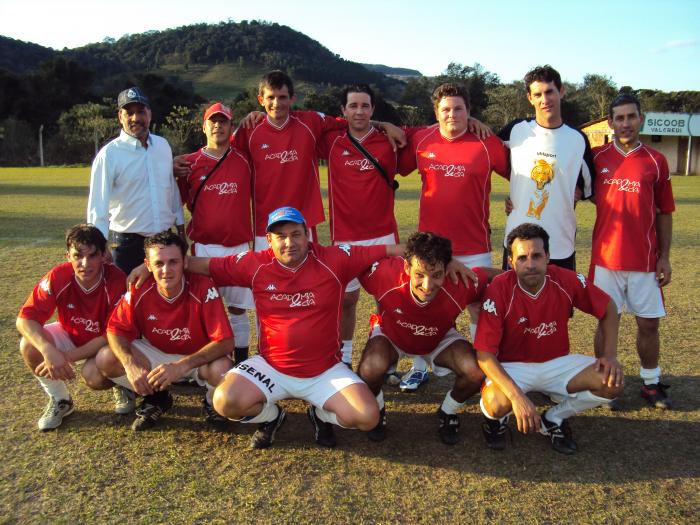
{"points": [[41, 303], [587, 297], [489, 330], [498, 153], [374, 279], [122, 322], [353, 260], [216, 322], [586, 176], [663, 192], [234, 270]]}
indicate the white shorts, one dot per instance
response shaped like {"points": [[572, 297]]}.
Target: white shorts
{"points": [[636, 292], [451, 336], [550, 377], [276, 385], [232, 295], [378, 241], [61, 339], [262, 244], [476, 260]]}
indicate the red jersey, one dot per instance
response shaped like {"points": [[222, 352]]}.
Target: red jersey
{"points": [[630, 190], [182, 325], [285, 165], [456, 176], [360, 200], [519, 326], [415, 327], [298, 308], [82, 313], [222, 210]]}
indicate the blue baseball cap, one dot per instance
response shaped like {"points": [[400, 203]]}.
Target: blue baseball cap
{"points": [[285, 213], [131, 95]]}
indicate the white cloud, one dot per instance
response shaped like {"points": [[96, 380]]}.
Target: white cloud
{"points": [[674, 44]]}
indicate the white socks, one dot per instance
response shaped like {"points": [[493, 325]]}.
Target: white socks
{"points": [[650, 376], [380, 399], [55, 388], [269, 412], [449, 405], [489, 416], [472, 331], [419, 364], [574, 404], [326, 416], [241, 329]]}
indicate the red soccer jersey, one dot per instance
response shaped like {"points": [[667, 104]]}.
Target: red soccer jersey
{"points": [[222, 210], [417, 328], [360, 200], [82, 313], [456, 175], [182, 325], [298, 308], [630, 189], [519, 326], [285, 165]]}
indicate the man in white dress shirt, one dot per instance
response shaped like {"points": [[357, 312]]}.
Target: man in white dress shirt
{"points": [[132, 190]]}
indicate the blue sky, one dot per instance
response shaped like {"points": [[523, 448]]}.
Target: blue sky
{"points": [[644, 44]]}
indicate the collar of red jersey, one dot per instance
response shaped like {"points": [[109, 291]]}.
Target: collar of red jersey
{"points": [[535, 295], [626, 153], [293, 270], [173, 299], [269, 121], [94, 286]]}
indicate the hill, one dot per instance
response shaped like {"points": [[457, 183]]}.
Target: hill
{"points": [[241, 53], [395, 72]]}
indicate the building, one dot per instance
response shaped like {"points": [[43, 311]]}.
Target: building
{"points": [[676, 135]]}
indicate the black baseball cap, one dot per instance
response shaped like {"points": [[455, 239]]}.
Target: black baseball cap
{"points": [[131, 95]]}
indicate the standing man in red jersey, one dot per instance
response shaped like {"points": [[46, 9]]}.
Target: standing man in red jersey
{"points": [[85, 291], [455, 167], [362, 165], [632, 235], [217, 193]]}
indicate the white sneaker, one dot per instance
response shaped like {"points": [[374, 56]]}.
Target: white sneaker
{"points": [[54, 413], [413, 379], [124, 400]]}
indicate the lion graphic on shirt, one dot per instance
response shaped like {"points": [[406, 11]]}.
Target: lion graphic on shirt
{"points": [[542, 174]]}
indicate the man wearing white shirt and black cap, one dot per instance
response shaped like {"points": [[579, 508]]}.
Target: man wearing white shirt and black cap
{"points": [[132, 191]]}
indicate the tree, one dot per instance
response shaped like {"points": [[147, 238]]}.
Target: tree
{"points": [[598, 92], [88, 124], [181, 128], [506, 103]]}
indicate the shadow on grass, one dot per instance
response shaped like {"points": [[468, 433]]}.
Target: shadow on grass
{"points": [[48, 190]]}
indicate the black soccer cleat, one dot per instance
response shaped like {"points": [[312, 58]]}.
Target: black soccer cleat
{"points": [[152, 408], [449, 427], [559, 435], [378, 433], [656, 395], [265, 434], [323, 432], [495, 433], [215, 420]]}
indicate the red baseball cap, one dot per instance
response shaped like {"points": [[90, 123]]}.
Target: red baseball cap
{"points": [[218, 108]]}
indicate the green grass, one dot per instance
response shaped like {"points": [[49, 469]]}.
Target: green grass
{"points": [[639, 465], [217, 82]]}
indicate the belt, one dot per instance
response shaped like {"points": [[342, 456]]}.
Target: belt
{"points": [[121, 237]]}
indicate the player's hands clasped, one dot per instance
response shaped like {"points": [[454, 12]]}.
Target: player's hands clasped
{"points": [[163, 375]]}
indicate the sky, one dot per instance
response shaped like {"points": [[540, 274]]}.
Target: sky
{"points": [[642, 44]]}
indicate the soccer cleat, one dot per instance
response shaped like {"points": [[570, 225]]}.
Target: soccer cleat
{"points": [[615, 405], [323, 432], [378, 433], [265, 434], [449, 427], [151, 410], [413, 379], [54, 413], [392, 378], [495, 433], [559, 435], [213, 418], [124, 400], [656, 395]]}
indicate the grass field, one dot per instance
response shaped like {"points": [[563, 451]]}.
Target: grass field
{"points": [[638, 465]]}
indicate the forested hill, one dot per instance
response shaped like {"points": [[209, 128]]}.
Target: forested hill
{"points": [[253, 47]]}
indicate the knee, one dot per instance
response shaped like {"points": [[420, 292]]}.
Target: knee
{"points": [[91, 375], [372, 364], [647, 327], [610, 392], [107, 363], [214, 372], [366, 419], [495, 402], [227, 403], [472, 375]]}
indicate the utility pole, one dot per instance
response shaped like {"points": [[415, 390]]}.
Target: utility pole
{"points": [[41, 145]]}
